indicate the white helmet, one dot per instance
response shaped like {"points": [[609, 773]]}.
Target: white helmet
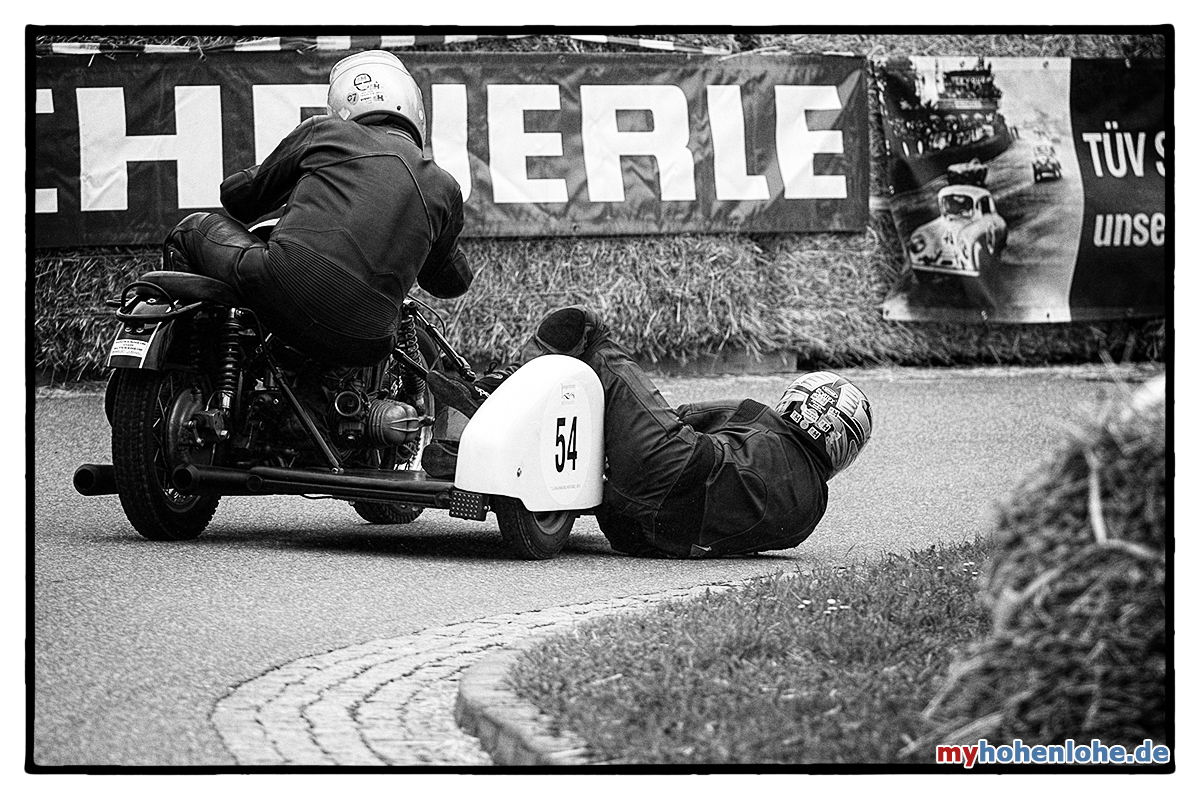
{"points": [[376, 82], [831, 412]]}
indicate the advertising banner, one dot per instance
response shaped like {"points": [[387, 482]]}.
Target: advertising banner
{"points": [[1028, 189], [542, 144]]}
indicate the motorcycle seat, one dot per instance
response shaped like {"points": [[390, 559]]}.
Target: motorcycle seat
{"points": [[189, 287]]}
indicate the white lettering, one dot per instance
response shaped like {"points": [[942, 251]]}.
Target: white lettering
{"points": [[1137, 153], [1124, 152], [45, 201], [105, 150], [1126, 230], [1116, 168], [727, 121], [448, 132], [604, 144], [1158, 229], [277, 111], [1093, 142], [796, 145], [611, 135], [509, 144]]}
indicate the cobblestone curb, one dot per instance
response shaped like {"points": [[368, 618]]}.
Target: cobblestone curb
{"points": [[393, 702], [512, 730]]}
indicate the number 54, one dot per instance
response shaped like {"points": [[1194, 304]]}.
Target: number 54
{"points": [[565, 445]]}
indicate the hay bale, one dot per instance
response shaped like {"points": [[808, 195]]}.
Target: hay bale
{"points": [[1075, 587], [72, 328]]}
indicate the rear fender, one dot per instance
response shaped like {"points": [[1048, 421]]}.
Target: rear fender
{"points": [[141, 345], [539, 438], [110, 396]]}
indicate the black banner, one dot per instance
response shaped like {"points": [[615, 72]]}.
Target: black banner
{"points": [[1028, 189], [542, 144]]}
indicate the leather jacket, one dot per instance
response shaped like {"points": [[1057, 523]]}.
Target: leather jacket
{"points": [[365, 216]]}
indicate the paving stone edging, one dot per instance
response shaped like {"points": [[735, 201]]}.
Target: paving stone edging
{"points": [[394, 701], [512, 730]]}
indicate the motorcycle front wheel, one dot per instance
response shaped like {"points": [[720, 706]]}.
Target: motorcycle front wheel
{"points": [[529, 535], [149, 440]]}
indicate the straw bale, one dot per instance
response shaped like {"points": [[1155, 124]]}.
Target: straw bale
{"points": [[1076, 590]]}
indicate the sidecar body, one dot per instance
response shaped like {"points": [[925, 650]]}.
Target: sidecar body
{"points": [[538, 438]]}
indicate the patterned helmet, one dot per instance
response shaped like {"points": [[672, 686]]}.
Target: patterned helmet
{"points": [[832, 412], [376, 82]]}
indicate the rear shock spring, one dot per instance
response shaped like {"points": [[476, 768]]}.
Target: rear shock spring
{"points": [[197, 335], [414, 384], [230, 363]]}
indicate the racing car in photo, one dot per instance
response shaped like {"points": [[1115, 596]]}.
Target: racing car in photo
{"points": [[1045, 163], [967, 234], [969, 173]]}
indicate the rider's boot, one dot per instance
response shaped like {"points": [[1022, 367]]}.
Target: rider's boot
{"points": [[460, 395], [439, 458], [454, 392], [568, 331], [495, 376]]}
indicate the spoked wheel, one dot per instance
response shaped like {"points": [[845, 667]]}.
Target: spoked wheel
{"points": [[530, 535], [407, 457], [149, 441]]}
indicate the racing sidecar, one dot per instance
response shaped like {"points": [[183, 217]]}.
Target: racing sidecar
{"points": [[533, 453]]}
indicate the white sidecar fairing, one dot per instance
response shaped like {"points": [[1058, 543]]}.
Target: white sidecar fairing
{"points": [[539, 438]]}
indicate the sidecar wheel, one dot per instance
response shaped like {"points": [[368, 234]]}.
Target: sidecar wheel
{"points": [[387, 513], [529, 535], [149, 410]]}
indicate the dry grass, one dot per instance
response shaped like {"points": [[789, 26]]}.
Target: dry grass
{"points": [[668, 298], [1076, 591]]}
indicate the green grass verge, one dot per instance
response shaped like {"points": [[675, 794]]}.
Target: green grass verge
{"points": [[823, 665]]}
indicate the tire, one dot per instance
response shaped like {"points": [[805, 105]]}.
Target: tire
{"points": [[403, 513], [149, 408], [386, 513], [531, 536]]}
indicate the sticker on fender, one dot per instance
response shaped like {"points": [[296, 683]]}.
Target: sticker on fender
{"points": [[133, 348], [565, 422]]}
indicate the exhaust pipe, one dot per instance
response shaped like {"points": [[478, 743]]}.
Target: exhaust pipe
{"points": [[95, 479], [193, 479], [366, 485]]}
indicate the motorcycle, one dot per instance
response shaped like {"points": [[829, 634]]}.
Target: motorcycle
{"points": [[204, 403]]}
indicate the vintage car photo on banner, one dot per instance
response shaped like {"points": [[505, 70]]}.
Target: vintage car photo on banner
{"points": [[1001, 216]]}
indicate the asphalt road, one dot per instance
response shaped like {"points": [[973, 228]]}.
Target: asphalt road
{"points": [[133, 642]]}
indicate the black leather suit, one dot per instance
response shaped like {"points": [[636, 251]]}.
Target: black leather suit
{"points": [[701, 480], [366, 217]]}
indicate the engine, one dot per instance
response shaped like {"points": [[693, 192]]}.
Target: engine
{"points": [[376, 423]]}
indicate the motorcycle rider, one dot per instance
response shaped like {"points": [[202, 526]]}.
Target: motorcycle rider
{"points": [[365, 216], [705, 479]]}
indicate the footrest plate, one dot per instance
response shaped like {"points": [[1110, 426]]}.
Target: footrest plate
{"points": [[468, 505]]}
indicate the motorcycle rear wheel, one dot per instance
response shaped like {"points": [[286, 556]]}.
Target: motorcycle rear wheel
{"points": [[529, 535], [148, 443]]}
